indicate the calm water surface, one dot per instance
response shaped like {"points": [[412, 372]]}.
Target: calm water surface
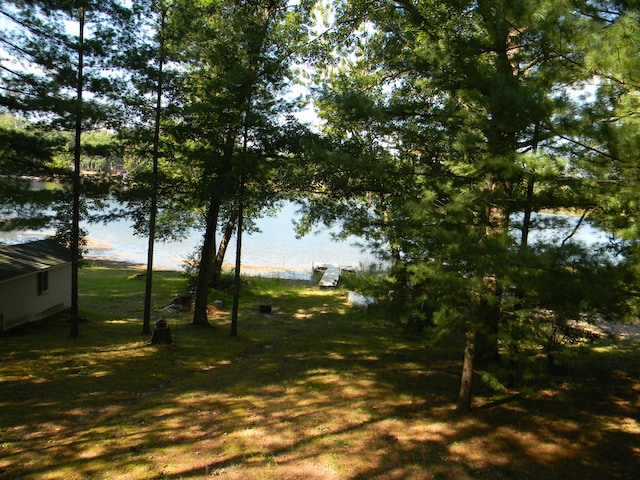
{"points": [[275, 250], [275, 246]]}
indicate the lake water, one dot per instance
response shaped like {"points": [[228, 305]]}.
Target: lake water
{"points": [[275, 251]]}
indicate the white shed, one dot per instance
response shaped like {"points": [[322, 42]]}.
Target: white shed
{"points": [[35, 282]]}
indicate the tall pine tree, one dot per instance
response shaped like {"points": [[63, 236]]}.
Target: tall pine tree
{"points": [[453, 122], [47, 49]]}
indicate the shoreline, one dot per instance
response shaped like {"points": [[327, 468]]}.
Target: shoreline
{"points": [[251, 270]]}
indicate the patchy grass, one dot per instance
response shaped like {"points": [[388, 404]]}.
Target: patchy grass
{"points": [[314, 390]]}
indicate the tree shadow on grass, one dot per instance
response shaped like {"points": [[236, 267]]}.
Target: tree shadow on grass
{"points": [[315, 390]]}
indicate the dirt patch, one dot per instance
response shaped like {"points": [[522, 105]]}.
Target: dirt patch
{"points": [[621, 331]]}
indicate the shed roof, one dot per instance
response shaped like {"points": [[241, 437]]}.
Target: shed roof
{"points": [[18, 260]]}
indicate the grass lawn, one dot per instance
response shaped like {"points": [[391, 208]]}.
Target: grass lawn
{"points": [[314, 390]]}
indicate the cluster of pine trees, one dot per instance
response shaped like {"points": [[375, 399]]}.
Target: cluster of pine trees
{"points": [[444, 130]]}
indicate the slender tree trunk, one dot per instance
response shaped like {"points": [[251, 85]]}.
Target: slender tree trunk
{"points": [[528, 206], [206, 259], [466, 379], [146, 319], [236, 279], [222, 248], [75, 221], [526, 220]]}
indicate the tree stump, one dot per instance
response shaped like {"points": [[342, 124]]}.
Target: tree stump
{"points": [[161, 333]]}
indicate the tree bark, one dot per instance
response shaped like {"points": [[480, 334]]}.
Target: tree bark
{"points": [[206, 258], [75, 222], [222, 248], [466, 381], [236, 279], [153, 211]]}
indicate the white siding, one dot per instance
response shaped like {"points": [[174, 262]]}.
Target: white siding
{"points": [[20, 302]]}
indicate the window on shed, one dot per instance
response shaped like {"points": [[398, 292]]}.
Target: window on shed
{"points": [[43, 281]]}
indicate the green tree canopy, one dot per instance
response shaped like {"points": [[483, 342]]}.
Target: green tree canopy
{"points": [[234, 128], [452, 123]]}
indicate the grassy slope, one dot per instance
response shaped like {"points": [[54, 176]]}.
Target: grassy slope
{"points": [[315, 390]]}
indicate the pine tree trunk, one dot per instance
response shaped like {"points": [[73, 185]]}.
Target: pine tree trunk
{"points": [[153, 211], [75, 222], [466, 381]]}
